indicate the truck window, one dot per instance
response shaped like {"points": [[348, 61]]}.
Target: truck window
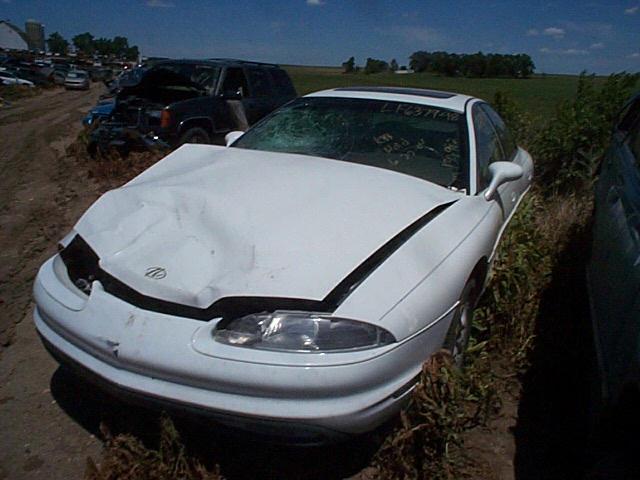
{"points": [[260, 84], [282, 83], [235, 82]]}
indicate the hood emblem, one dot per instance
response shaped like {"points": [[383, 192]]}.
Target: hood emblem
{"points": [[156, 273]]}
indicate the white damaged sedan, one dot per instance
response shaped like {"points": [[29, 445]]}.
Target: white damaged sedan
{"points": [[294, 282]]}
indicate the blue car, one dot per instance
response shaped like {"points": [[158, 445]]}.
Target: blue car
{"points": [[614, 267], [98, 113]]}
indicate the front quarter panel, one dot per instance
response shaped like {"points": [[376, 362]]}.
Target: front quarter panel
{"points": [[426, 275]]}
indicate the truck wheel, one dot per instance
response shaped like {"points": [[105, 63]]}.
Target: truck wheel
{"points": [[195, 135]]}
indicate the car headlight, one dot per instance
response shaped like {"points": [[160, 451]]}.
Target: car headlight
{"points": [[301, 331]]}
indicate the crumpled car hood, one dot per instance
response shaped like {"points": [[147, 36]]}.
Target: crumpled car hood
{"points": [[222, 222]]}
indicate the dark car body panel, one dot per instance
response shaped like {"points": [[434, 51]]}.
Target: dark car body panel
{"points": [[614, 266], [135, 120]]}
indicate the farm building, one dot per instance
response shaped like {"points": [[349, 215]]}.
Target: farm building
{"points": [[11, 37]]}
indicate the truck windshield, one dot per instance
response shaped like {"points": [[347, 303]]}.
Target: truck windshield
{"points": [[186, 75]]}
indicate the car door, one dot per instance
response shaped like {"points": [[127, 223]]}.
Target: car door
{"points": [[488, 150], [614, 267], [511, 154]]}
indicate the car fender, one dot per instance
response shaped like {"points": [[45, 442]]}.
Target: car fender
{"points": [[427, 274], [199, 121]]}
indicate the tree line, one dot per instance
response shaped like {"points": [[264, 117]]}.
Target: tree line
{"points": [[473, 65], [89, 45], [453, 64], [371, 66]]}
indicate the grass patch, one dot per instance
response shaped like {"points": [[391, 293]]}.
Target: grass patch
{"points": [[127, 458], [538, 95]]}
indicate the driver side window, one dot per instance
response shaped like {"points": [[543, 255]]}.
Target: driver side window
{"points": [[235, 83], [488, 148]]}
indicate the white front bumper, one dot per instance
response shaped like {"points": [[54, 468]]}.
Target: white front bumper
{"points": [[163, 357]]}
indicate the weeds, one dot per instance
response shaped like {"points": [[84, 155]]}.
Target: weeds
{"points": [[568, 146], [444, 404], [111, 169], [126, 458]]}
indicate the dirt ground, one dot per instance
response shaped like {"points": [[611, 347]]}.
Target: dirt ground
{"points": [[41, 196], [49, 419]]}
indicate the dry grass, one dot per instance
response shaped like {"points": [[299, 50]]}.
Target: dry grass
{"points": [[111, 169], [126, 458], [445, 403]]}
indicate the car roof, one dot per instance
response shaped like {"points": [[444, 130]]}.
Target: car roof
{"points": [[217, 62], [436, 98]]}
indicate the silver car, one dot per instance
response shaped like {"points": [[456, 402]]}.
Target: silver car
{"points": [[76, 79]]}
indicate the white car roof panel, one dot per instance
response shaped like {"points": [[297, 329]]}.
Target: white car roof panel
{"points": [[435, 98]]}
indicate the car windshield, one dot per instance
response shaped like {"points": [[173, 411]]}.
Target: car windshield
{"points": [[419, 140]]}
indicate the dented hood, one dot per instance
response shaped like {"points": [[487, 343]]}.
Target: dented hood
{"points": [[224, 222]]}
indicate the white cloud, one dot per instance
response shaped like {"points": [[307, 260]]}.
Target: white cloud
{"points": [[553, 32], [564, 51], [634, 55], [532, 32], [632, 10], [159, 4], [315, 3], [596, 46]]}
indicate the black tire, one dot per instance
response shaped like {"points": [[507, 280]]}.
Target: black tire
{"points": [[459, 332], [195, 135]]}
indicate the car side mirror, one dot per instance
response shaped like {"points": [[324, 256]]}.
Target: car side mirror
{"points": [[231, 137], [501, 172]]}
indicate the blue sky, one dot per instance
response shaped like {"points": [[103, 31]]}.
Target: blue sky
{"points": [[560, 36]]}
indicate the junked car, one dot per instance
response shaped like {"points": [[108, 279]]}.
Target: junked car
{"points": [[190, 101], [613, 271], [9, 78], [77, 80], [294, 282], [98, 113]]}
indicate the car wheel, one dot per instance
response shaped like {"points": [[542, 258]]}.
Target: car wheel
{"points": [[459, 332], [195, 135]]}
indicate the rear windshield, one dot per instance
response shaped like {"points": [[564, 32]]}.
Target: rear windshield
{"points": [[419, 140]]}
